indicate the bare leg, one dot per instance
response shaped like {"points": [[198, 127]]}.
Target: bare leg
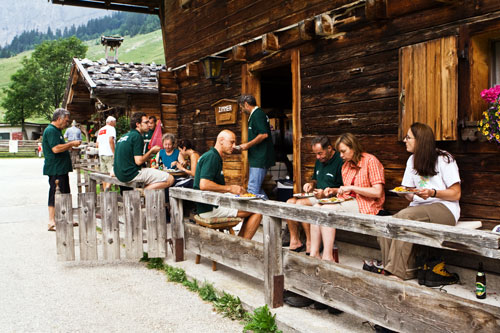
{"points": [[250, 226], [307, 231], [315, 240], [328, 235], [52, 215], [295, 242]]}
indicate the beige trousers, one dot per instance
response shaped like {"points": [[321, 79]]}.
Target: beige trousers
{"points": [[398, 256]]}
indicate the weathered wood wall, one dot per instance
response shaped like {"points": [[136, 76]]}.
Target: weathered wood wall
{"points": [[348, 84]]}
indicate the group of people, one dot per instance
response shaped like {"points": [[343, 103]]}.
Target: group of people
{"points": [[342, 169]]}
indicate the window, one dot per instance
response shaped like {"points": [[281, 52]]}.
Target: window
{"points": [[428, 87], [4, 136], [495, 63]]}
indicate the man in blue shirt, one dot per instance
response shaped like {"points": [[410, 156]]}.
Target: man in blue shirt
{"points": [[74, 132]]}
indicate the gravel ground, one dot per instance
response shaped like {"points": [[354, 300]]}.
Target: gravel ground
{"points": [[40, 294]]}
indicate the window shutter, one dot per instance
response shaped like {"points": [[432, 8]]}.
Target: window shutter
{"points": [[428, 87]]}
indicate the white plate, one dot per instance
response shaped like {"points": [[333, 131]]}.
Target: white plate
{"points": [[303, 195], [401, 192], [328, 202], [244, 198]]}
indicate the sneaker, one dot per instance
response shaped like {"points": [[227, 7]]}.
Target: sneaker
{"points": [[373, 265], [437, 275], [298, 301]]}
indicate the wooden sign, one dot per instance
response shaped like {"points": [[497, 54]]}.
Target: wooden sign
{"points": [[225, 111]]}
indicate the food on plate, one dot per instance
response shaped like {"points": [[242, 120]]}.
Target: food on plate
{"points": [[404, 189], [331, 200], [248, 195]]}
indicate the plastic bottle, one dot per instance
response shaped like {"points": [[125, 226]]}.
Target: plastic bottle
{"points": [[480, 282]]}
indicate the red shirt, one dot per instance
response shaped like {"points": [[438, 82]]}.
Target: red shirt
{"points": [[367, 173]]}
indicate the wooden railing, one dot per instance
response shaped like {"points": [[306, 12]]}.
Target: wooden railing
{"points": [[395, 304]]}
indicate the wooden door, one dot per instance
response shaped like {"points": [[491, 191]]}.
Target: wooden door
{"points": [[428, 87]]}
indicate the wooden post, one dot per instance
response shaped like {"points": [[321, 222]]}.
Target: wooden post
{"points": [[156, 223], [176, 219], [296, 121], [110, 227], [273, 262], [64, 227], [87, 226], [133, 224]]}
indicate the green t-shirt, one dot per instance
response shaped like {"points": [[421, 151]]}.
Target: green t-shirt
{"points": [[261, 155], [55, 164], [148, 135], [128, 146], [209, 167], [328, 174]]}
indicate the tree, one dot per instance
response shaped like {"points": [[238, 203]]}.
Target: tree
{"points": [[23, 96], [54, 60]]}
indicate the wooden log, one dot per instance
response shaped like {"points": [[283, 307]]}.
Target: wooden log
{"points": [[168, 98], [87, 226], [110, 227], [440, 236], [323, 25], [394, 304], [156, 223], [232, 251], [133, 224], [273, 262], [375, 9], [192, 70], [239, 53], [176, 220], [270, 43], [64, 227]]}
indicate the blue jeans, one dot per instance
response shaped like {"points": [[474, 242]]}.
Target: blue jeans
{"points": [[255, 180]]}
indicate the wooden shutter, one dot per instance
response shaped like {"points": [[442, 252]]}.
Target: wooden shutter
{"points": [[428, 87]]}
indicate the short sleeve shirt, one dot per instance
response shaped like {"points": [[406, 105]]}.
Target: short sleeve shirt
{"points": [[209, 167], [73, 133], [129, 146], [261, 155], [103, 136], [328, 174], [447, 175], [367, 173], [55, 164], [148, 135], [167, 160]]}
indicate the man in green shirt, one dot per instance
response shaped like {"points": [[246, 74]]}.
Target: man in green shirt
{"points": [[129, 157], [57, 162], [210, 177], [261, 155], [327, 173]]}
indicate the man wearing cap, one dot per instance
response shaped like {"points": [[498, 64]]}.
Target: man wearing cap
{"points": [[73, 133], [106, 138]]}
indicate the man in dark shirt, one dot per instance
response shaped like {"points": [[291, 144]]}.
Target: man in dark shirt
{"points": [[210, 177], [57, 162], [129, 157], [261, 155], [327, 173]]}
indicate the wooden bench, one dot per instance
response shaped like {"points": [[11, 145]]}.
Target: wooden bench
{"points": [[218, 223], [96, 177]]}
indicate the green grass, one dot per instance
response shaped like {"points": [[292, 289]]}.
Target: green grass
{"points": [[21, 154], [141, 48]]}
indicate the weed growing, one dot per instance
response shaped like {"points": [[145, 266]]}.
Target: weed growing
{"points": [[262, 321]]}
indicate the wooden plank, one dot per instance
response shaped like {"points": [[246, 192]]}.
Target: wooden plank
{"points": [[156, 223], [270, 43], [450, 87], [64, 227], [430, 234], [87, 226], [238, 253], [113, 180], [176, 219], [296, 120], [110, 227], [273, 262], [393, 304], [133, 224], [239, 53], [168, 98]]}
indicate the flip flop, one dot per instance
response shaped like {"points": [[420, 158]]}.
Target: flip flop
{"points": [[301, 248], [52, 227]]}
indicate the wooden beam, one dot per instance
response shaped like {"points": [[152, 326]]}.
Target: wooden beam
{"points": [[479, 242], [273, 262], [323, 25], [270, 43], [192, 70], [296, 121], [109, 6], [239, 53]]}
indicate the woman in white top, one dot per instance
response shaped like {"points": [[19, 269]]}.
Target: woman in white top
{"points": [[433, 175]]}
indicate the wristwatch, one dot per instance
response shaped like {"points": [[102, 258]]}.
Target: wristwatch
{"points": [[435, 193]]}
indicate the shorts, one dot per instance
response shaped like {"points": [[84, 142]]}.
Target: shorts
{"points": [[350, 206], [220, 212], [106, 163], [63, 187], [150, 176]]}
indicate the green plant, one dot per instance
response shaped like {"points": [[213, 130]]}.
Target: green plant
{"points": [[175, 274], [230, 307], [191, 285], [122, 126], [207, 292], [262, 321], [155, 263]]}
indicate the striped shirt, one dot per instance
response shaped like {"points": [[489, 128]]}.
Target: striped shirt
{"points": [[367, 173]]}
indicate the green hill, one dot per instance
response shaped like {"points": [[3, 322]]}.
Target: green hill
{"points": [[140, 48]]}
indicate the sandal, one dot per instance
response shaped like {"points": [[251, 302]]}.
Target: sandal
{"points": [[52, 227]]}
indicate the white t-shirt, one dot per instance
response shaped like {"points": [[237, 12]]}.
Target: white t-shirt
{"points": [[447, 175], [103, 140]]}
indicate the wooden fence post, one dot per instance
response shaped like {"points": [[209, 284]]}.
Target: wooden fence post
{"points": [[64, 227], [176, 218], [110, 227], [156, 223], [273, 262], [87, 226], [133, 224]]}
